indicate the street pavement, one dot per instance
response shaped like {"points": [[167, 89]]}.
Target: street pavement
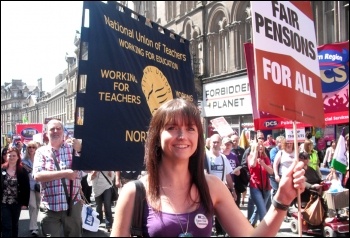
{"points": [[284, 231]]}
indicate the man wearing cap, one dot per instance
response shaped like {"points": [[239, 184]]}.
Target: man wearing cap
{"points": [[239, 152], [234, 162], [236, 149]]}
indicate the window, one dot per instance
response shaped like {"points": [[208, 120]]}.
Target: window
{"points": [[218, 43], [329, 21], [243, 33], [344, 20], [170, 10]]}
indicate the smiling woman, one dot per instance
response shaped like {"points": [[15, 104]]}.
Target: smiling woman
{"points": [[176, 207], [14, 192]]}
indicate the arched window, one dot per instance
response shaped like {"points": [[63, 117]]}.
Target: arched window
{"points": [[218, 43], [324, 21], [344, 20], [329, 21], [183, 7], [170, 13], [242, 32]]}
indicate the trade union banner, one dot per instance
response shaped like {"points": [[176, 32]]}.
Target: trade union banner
{"points": [[130, 66], [286, 67], [26, 131], [334, 69], [334, 66], [263, 120]]}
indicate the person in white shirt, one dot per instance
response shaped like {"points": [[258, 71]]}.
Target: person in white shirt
{"points": [[221, 168], [329, 154], [102, 189]]}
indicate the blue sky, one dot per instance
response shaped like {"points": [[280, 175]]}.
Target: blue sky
{"points": [[35, 37]]}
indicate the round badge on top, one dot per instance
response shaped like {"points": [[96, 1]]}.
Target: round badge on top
{"points": [[201, 221]]}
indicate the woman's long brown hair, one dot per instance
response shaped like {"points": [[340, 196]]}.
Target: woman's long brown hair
{"points": [[171, 111]]}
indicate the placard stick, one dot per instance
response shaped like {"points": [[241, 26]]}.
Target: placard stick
{"points": [[296, 156]]}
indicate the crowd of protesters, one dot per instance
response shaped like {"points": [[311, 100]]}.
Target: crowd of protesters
{"points": [[256, 166]]}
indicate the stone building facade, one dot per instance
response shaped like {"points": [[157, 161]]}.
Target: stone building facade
{"points": [[217, 31]]}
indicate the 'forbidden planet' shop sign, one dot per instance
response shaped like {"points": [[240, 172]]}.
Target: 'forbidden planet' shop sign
{"points": [[227, 97]]}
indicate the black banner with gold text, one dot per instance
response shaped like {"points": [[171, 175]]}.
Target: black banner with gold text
{"points": [[130, 68]]}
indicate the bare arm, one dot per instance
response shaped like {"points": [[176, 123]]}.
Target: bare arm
{"points": [[269, 226], [252, 157], [124, 209], [268, 168], [289, 185], [276, 164], [118, 183], [224, 207], [326, 156], [77, 144], [229, 181], [46, 176], [93, 174], [231, 186]]}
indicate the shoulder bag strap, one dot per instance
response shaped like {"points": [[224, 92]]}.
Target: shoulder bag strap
{"points": [[28, 165], [106, 177], [140, 196], [223, 172], [112, 186], [206, 163], [63, 180]]}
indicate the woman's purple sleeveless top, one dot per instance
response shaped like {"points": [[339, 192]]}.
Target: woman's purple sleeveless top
{"points": [[164, 224]]}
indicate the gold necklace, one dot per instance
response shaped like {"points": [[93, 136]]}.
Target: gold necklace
{"points": [[184, 233]]}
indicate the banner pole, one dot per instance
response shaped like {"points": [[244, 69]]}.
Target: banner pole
{"points": [[296, 156]]}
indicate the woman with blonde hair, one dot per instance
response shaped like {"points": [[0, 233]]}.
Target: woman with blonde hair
{"points": [[34, 199], [283, 159]]}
